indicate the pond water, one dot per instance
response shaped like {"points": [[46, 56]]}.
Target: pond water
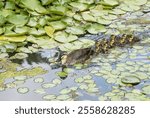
{"points": [[99, 78], [122, 74]]}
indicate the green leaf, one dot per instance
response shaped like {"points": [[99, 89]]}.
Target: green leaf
{"points": [[146, 89], [2, 20], [58, 25], [110, 2], [60, 10], [37, 32], [34, 5], [46, 2], [65, 38], [77, 30], [21, 30], [10, 5], [96, 28], [62, 74], [16, 39], [77, 6], [49, 30], [10, 47], [131, 80], [17, 19], [88, 17]]}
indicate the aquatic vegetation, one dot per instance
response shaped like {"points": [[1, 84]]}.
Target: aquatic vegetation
{"points": [[32, 31], [10, 71], [23, 90]]}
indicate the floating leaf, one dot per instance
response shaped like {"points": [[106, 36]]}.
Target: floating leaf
{"points": [[18, 19], [48, 85], [20, 78], [62, 74], [79, 6], [88, 17], [83, 87], [77, 30], [10, 47], [46, 2], [37, 32], [24, 50], [13, 39], [58, 25], [146, 89], [110, 2], [21, 30], [65, 38], [2, 20], [92, 90], [34, 5], [79, 80], [65, 91], [19, 56], [96, 28], [60, 10], [23, 90], [39, 91], [19, 82], [56, 81], [39, 80], [49, 30], [103, 21], [49, 97], [62, 97]]}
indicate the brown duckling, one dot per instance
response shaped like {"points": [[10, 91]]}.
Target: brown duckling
{"points": [[77, 56]]}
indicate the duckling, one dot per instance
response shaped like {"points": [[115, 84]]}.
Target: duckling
{"points": [[77, 56]]}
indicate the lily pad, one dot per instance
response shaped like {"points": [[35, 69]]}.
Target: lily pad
{"points": [[10, 47], [58, 25], [92, 90], [18, 19], [110, 2], [96, 28], [49, 97], [87, 16], [39, 80], [76, 30], [19, 82], [23, 90], [63, 97], [48, 85], [79, 80], [20, 78], [19, 56], [49, 30], [59, 10], [62, 74], [56, 81], [131, 80], [83, 87], [79, 6], [34, 5], [40, 91], [65, 38], [2, 20], [65, 91], [146, 89]]}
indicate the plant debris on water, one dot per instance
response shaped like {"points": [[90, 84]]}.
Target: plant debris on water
{"points": [[36, 35]]}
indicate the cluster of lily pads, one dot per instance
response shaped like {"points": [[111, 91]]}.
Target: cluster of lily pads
{"points": [[10, 70], [50, 23]]}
